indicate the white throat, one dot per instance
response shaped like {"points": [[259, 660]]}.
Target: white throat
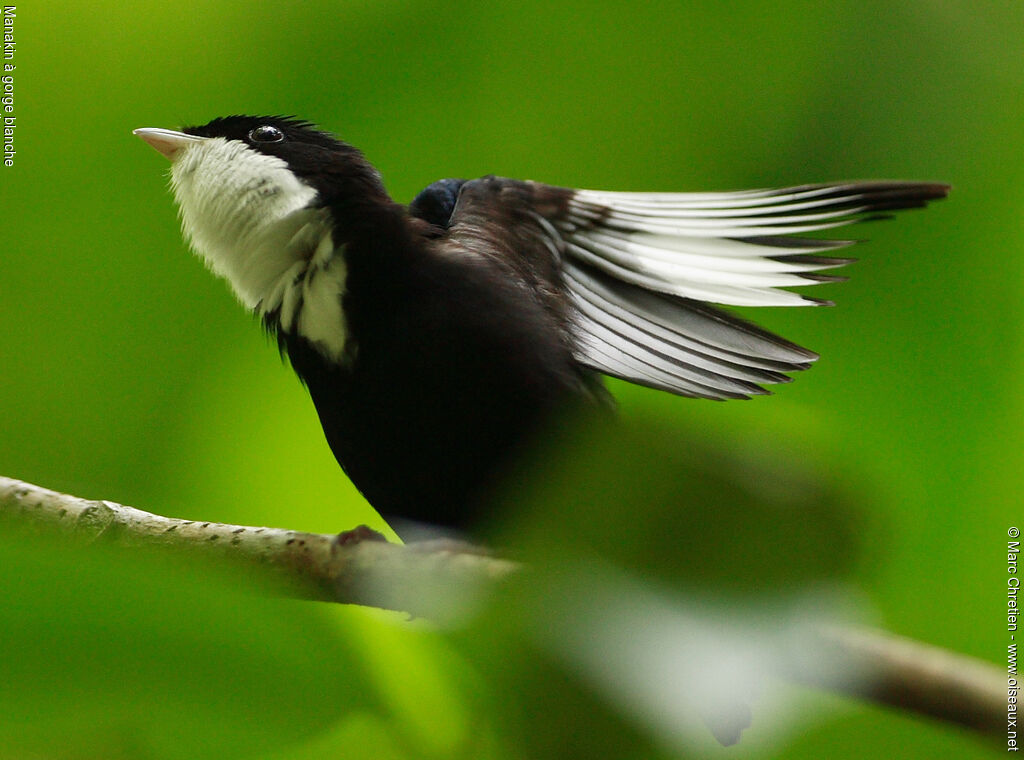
{"points": [[252, 221]]}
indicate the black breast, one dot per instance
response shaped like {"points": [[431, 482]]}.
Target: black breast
{"points": [[455, 363]]}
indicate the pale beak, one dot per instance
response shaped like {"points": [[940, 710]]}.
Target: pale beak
{"points": [[167, 141]]}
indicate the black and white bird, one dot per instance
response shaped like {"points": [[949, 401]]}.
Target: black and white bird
{"points": [[437, 338]]}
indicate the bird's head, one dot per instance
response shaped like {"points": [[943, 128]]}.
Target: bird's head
{"points": [[246, 186]]}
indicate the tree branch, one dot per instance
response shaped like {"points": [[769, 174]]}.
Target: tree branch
{"points": [[900, 673], [316, 566], [911, 675]]}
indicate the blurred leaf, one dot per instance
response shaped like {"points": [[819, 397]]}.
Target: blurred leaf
{"points": [[167, 659], [423, 682], [667, 582], [657, 498]]}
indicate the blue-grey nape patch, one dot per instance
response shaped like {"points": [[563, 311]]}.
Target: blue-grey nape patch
{"points": [[436, 202]]}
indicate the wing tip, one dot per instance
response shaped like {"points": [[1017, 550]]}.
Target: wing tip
{"points": [[812, 301], [816, 278], [818, 262]]}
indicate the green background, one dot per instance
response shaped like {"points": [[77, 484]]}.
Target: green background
{"points": [[128, 373]]}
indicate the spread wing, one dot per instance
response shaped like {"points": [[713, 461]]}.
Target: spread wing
{"points": [[640, 269]]}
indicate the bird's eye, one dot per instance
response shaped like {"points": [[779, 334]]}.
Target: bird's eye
{"points": [[266, 134]]}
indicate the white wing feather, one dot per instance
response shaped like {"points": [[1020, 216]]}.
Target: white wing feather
{"points": [[638, 265]]}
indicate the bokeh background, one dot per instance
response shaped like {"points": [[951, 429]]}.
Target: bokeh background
{"points": [[128, 373]]}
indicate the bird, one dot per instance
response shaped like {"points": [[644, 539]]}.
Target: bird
{"points": [[438, 339]]}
